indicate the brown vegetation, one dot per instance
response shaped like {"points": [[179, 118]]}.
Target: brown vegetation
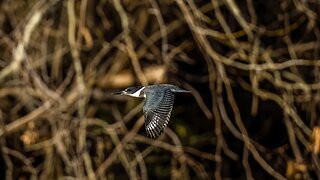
{"points": [[252, 67]]}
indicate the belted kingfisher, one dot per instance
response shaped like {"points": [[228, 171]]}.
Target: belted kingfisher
{"points": [[158, 105]]}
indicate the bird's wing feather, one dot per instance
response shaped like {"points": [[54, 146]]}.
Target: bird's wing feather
{"points": [[157, 111]]}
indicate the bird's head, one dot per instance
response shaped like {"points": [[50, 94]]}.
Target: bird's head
{"points": [[135, 91]]}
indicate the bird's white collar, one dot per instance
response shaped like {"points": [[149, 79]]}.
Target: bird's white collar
{"points": [[137, 94]]}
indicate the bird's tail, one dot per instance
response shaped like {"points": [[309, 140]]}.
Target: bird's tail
{"points": [[179, 90]]}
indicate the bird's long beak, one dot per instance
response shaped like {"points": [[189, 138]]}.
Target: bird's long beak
{"points": [[118, 93]]}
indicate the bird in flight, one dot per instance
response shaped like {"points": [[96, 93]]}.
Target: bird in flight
{"points": [[158, 105]]}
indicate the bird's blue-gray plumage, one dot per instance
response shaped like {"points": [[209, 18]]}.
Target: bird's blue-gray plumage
{"points": [[157, 110], [158, 105]]}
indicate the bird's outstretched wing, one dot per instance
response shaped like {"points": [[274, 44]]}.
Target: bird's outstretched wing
{"points": [[157, 111]]}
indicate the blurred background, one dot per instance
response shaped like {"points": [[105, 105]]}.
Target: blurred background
{"points": [[252, 67]]}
